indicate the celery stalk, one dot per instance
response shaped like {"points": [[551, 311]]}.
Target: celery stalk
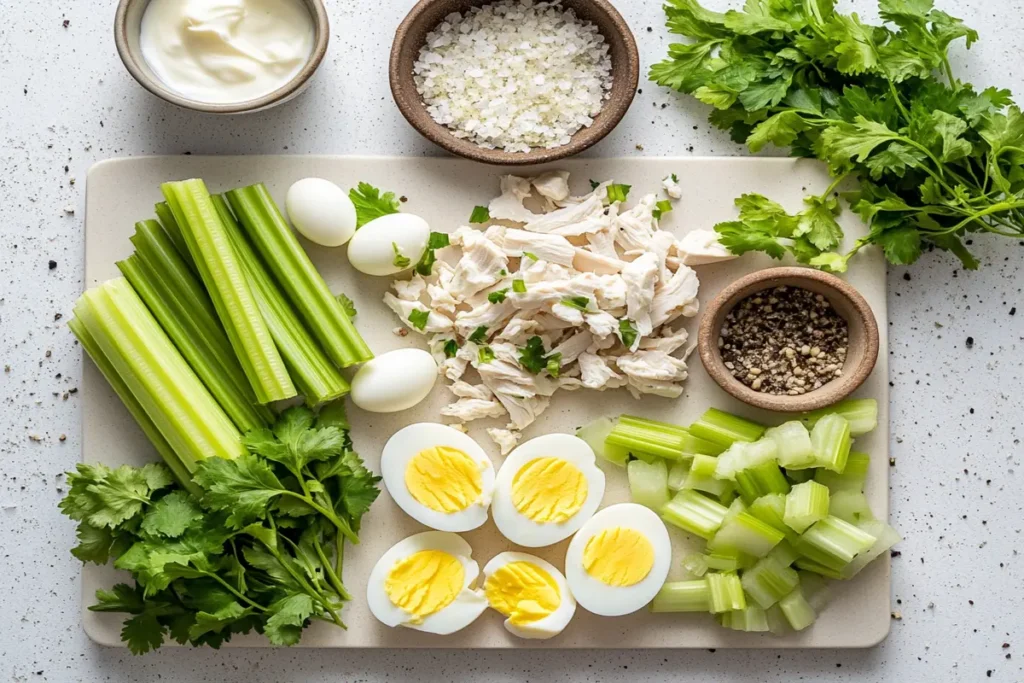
{"points": [[751, 619], [724, 429], [807, 565], [677, 474], [222, 273], [703, 465], [683, 596], [747, 534], [771, 509], [861, 413], [852, 477], [310, 368], [158, 377], [695, 513], [767, 582], [815, 589], [806, 504], [793, 444], [295, 273], [595, 434], [833, 543], [885, 538], [798, 612], [777, 624], [760, 480], [831, 441], [648, 483], [726, 592], [173, 231], [645, 437], [850, 506]]}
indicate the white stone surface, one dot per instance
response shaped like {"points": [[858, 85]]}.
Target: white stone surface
{"points": [[66, 102]]}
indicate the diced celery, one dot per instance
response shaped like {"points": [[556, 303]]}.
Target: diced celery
{"points": [[833, 543], [783, 554], [698, 482], [643, 436], [770, 509], [735, 507], [852, 477], [861, 413], [810, 566], [805, 505], [831, 440], [793, 443], [726, 592], [797, 611], [595, 434], [173, 232], [295, 273], [648, 483], [743, 455], [728, 496], [752, 619], [222, 273], [777, 624], [850, 506], [816, 590], [703, 465], [724, 429], [800, 476], [683, 596], [695, 513], [696, 564], [677, 473], [885, 538], [767, 582], [729, 560], [760, 480], [748, 534]]}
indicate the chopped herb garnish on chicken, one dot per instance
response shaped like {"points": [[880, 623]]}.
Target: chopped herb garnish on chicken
{"points": [[480, 215]]}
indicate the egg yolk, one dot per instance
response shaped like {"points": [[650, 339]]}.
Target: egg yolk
{"points": [[618, 556], [523, 592], [425, 582], [549, 490], [444, 479]]}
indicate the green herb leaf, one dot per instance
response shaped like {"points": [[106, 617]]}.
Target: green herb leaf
{"points": [[661, 208], [485, 354], [532, 356], [617, 193], [519, 286], [498, 296], [171, 515], [479, 335], [419, 318], [370, 203], [627, 333], [348, 305], [580, 303], [530, 255], [480, 215], [553, 364], [451, 347], [400, 261]]}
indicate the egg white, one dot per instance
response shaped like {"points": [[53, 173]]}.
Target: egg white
{"points": [[394, 381], [321, 211], [404, 445], [461, 612], [552, 624], [372, 249], [522, 530], [612, 601]]}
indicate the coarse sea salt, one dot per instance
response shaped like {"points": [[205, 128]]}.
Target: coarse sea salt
{"points": [[514, 75]]}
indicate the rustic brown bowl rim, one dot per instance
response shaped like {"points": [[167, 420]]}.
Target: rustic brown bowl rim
{"points": [[411, 105], [133, 61], [863, 319]]}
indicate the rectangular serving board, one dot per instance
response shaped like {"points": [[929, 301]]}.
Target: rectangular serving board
{"points": [[444, 191]]}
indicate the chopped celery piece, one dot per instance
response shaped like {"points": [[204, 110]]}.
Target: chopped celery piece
{"points": [[648, 483], [850, 506], [703, 465], [797, 611], [768, 581], [677, 474], [595, 434], [728, 560], [831, 440], [806, 565], [760, 480], [815, 589], [793, 444], [724, 429], [683, 596], [748, 534], [800, 476], [743, 455], [752, 619], [179, 303], [861, 413], [771, 509], [173, 232], [726, 592], [310, 368], [728, 496], [852, 477], [222, 273], [783, 554], [166, 388], [735, 507], [696, 564], [699, 482], [777, 624], [833, 543], [695, 513], [643, 436], [806, 504], [885, 538], [295, 273]]}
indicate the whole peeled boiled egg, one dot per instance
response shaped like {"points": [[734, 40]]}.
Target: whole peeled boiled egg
{"points": [[425, 582], [394, 381], [389, 244], [439, 476], [321, 211], [618, 560], [531, 593], [546, 489]]}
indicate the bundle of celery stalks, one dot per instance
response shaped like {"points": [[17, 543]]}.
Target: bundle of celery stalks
{"points": [[781, 509]]}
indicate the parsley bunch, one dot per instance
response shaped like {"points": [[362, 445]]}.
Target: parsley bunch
{"points": [[935, 160], [260, 548]]}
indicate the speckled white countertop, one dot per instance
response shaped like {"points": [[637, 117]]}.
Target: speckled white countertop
{"points": [[957, 366]]}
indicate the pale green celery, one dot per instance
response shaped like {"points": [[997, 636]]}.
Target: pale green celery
{"points": [[752, 619], [147, 425], [806, 504], [695, 513], [885, 538], [748, 534], [777, 624], [683, 596], [833, 543], [724, 429], [595, 434], [173, 231], [745, 455], [831, 440], [179, 303], [771, 509], [793, 444], [797, 610], [703, 465], [648, 483], [677, 473], [650, 437], [696, 564], [810, 566], [736, 506], [309, 367], [861, 413], [767, 582], [816, 590], [760, 480], [800, 476], [726, 592], [728, 560], [295, 273], [852, 477], [729, 496], [850, 506], [165, 387], [783, 554], [223, 275], [700, 482]]}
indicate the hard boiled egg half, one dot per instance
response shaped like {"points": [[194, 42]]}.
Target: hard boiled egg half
{"points": [[531, 593], [619, 560], [546, 489], [425, 582], [439, 476]]}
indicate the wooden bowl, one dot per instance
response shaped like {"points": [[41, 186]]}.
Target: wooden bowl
{"points": [[862, 348], [427, 14]]}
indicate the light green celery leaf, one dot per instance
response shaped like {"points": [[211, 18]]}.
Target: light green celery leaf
{"points": [[292, 424], [273, 566], [370, 203], [879, 198], [319, 444], [171, 515], [333, 415], [854, 44], [950, 128], [780, 130], [716, 96], [287, 617], [766, 93], [746, 23], [843, 143], [805, 99], [891, 9], [686, 66], [901, 61], [895, 159], [243, 486], [263, 534], [802, 250], [142, 633], [931, 192], [357, 495], [306, 556], [262, 442], [1003, 130], [347, 304], [93, 543], [830, 261], [902, 245], [818, 224], [739, 238]]}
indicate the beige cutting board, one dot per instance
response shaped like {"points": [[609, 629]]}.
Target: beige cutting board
{"points": [[444, 191]]}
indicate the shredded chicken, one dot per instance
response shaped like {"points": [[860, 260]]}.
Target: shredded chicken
{"points": [[505, 439]]}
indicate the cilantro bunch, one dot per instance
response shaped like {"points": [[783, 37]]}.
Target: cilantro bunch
{"points": [[935, 160], [260, 546]]}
